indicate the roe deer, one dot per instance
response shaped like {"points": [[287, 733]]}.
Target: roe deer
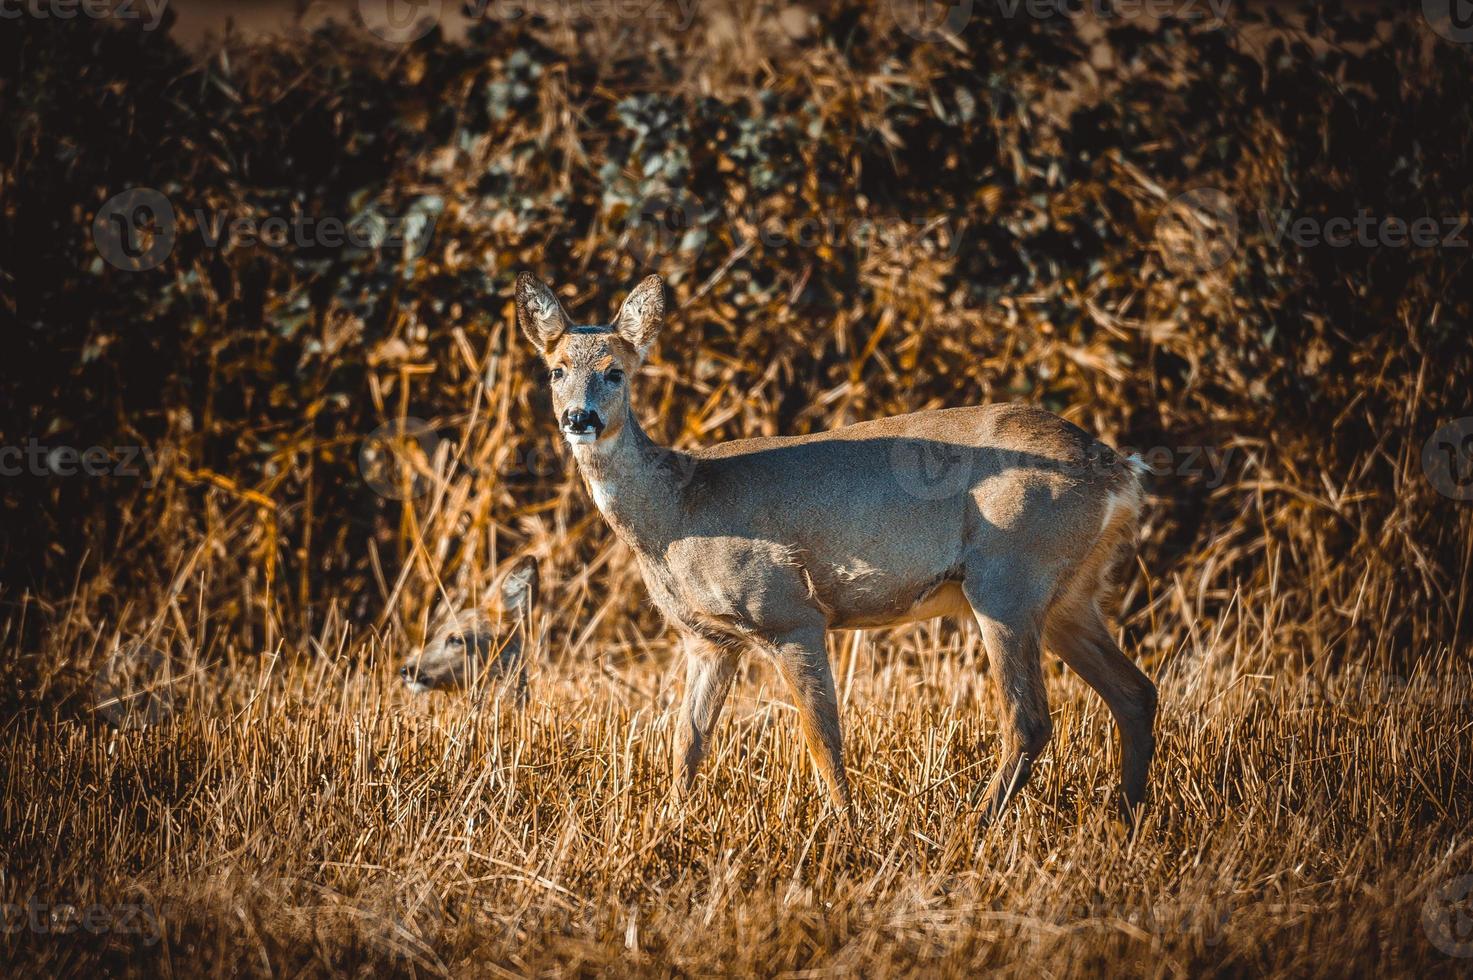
{"points": [[463, 641], [1002, 513]]}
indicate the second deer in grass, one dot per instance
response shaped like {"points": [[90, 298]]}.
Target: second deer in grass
{"points": [[480, 648], [1004, 514]]}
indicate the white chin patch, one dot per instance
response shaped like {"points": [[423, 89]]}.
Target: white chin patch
{"points": [[580, 438], [418, 687]]}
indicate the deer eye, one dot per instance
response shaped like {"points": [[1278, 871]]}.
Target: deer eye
{"points": [[556, 374], [613, 376], [455, 640]]}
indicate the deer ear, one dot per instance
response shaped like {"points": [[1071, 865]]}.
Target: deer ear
{"points": [[519, 587], [539, 314], [642, 315]]}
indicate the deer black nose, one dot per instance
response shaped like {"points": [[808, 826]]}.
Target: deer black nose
{"points": [[578, 420], [405, 673]]}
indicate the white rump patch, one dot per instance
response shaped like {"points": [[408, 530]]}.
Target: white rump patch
{"points": [[1113, 503]]}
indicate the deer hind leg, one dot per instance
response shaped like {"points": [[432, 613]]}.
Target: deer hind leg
{"points": [[1010, 622], [709, 671], [804, 664], [1078, 635]]}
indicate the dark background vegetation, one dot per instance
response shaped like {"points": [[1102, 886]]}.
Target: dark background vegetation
{"points": [[253, 364], [876, 223]]}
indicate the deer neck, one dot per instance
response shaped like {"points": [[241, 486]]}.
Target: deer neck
{"points": [[636, 485]]}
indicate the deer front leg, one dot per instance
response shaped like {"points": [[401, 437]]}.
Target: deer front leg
{"points": [[804, 664], [709, 672]]}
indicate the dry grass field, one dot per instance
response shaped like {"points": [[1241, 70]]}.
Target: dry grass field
{"points": [[208, 764], [312, 818]]}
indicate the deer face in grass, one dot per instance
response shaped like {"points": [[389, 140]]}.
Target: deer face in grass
{"points": [[469, 646], [589, 367]]}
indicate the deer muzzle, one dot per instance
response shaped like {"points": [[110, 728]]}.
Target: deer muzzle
{"points": [[581, 425]]}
